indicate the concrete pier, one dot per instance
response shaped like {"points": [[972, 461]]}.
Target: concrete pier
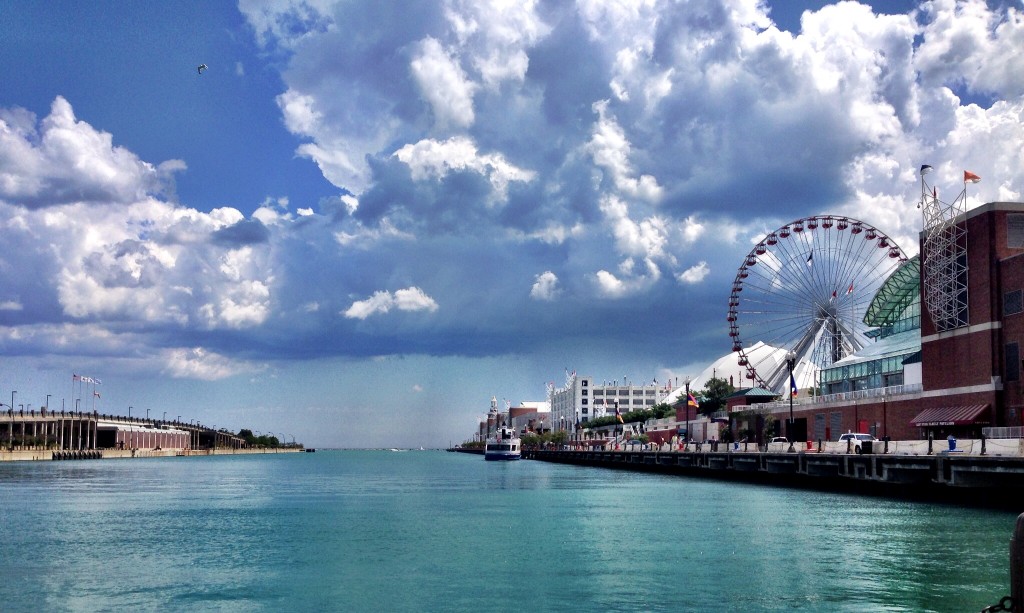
{"points": [[72, 435], [967, 479]]}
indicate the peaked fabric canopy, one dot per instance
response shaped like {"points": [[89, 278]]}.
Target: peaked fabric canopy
{"points": [[965, 415]]}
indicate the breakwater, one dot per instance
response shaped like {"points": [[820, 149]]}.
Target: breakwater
{"points": [[964, 479]]}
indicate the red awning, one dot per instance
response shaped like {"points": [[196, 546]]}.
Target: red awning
{"points": [[967, 415]]}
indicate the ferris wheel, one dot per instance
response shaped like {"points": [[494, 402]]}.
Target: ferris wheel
{"points": [[805, 289]]}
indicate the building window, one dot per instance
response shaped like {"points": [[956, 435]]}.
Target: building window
{"points": [[1012, 362], [584, 392], [584, 401], [584, 383], [1013, 302]]}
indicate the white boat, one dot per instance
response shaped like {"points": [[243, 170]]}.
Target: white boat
{"points": [[504, 445]]}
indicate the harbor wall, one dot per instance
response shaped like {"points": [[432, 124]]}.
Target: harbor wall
{"points": [[943, 476]]}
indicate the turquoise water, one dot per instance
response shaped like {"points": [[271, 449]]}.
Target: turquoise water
{"points": [[435, 531]]}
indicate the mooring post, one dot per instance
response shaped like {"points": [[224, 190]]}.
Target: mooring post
{"points": [[1017, 566]]}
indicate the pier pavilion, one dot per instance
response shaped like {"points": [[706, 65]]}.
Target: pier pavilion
{"points": [[45, 430]]}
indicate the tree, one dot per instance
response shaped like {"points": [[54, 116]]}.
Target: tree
{"points": [[712, 398], [663, 410]]}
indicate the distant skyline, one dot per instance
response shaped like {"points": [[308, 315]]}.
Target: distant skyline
{"points": [[364, 219]]}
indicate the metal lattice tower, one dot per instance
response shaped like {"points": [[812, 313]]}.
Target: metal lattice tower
{"points": [[945, 256]]}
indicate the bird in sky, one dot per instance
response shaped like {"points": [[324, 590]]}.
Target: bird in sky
{"points": [[201, 68]]}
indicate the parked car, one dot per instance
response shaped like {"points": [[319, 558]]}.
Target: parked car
{"points": [[779, 439], [856, 439]]}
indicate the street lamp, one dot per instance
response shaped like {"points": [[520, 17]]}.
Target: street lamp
{"points": [[790, 361], [10, 432], [686, 382], [129, 411]]}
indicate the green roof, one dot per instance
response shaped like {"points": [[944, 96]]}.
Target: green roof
{"points": [[898, 292], [753, 391]]}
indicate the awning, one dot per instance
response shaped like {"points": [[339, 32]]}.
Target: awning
{"points": [[966, 415]]}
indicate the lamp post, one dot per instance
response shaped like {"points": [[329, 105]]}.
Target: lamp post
{"points": [[686, 382], [129, 411], [10, 432], [790, 360], [165, 416], [147, 414]]}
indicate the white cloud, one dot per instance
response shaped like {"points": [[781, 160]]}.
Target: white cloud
{"points": [[694, 274], [444, 84], [431, 159], [610, 150], [409, 299], [199, 363], [68, 161], [545, 286]]}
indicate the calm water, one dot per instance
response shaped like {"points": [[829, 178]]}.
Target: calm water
{"points": [[435, 531]]}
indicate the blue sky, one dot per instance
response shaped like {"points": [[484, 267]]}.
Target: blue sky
{"points": [[364, 219]]}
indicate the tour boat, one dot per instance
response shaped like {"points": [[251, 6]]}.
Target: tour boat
{"points": [[504, 445]]}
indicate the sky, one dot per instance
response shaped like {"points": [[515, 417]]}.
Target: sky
{"points": [[363, 220]]}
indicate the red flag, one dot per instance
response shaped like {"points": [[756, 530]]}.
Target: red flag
{"points": [[849, 290], [970, 177]]}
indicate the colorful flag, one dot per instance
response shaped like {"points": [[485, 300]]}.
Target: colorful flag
{"points": [[925, 169], [810, 259], [691, 401], [792, 386], [849, 290], [833, 298], [97, 394], [970, 177], [617, 415]]}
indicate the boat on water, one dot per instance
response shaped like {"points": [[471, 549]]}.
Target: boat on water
{"points": [[504, 445]]}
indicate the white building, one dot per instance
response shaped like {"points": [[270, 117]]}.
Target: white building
{"points": [[581, 399]]}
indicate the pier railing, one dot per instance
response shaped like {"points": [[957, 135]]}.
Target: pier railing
{"points": [[892, 391]]}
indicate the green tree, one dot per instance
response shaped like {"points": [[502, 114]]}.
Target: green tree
{"points": [[663, 410], [712, 397]]}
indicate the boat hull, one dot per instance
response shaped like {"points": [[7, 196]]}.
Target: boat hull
{"points": [[501, 457]]}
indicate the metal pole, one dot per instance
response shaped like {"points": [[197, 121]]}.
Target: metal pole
{"points": [[790, 358]]}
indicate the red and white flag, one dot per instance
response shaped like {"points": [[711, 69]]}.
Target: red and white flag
{"points": [[970, 177]]}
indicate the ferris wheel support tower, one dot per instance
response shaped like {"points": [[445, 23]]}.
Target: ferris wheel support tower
{"points": [[945, 255]]}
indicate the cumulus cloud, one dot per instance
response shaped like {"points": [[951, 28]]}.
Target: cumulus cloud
{"points": [[444, 84], [545, 286], [198, 363], [694, 274], [408, 299], [631, 147], [63, 160]]}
